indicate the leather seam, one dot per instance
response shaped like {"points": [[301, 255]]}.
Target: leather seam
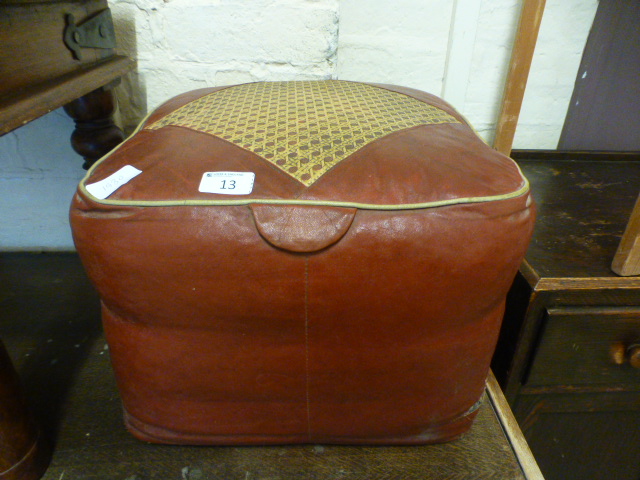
{"points": [[524, 189], [306, 342]]}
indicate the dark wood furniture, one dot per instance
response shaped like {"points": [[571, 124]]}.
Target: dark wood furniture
{"points": [[40, 72], [567, 358], [24, 454], [50, 320]]}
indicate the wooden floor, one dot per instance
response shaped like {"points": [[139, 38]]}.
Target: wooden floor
{"points": [[50, 323]]}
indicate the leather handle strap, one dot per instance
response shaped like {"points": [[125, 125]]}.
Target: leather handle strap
{"points": [[302, 228]]}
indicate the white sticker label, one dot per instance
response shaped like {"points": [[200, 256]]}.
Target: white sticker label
{"points": [[107, 186], [227, 183]]}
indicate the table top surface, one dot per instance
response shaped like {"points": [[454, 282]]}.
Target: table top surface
{"points": [[50, 323], [583, 208]]}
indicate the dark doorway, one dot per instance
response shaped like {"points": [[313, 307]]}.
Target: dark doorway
{"points": [[604, 113]]}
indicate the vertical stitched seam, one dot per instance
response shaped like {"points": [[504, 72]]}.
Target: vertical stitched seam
{"points": [[306, 341]]}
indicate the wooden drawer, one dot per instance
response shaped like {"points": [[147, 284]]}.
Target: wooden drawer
{"points": [[592, 436], [587, 346]]}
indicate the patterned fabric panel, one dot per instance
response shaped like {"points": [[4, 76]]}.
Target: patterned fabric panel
{"points": [[304, 128]]}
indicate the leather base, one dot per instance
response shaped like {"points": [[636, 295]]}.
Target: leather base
{"points": [[443, 432]]}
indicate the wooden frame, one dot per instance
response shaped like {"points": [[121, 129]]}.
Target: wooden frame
{"points": [[512, 430], [521, 56]]}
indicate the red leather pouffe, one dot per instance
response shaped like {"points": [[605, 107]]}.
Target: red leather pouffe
{"points": [[296, 262]]}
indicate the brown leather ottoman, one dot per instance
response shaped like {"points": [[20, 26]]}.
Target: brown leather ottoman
{"points": [[298, 262]]}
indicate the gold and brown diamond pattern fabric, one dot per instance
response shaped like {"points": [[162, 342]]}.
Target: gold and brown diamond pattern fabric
{"points": [[303, 128]]}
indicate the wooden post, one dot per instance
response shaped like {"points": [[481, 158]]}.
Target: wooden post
{"points": [[521, 56], [626, 262]]}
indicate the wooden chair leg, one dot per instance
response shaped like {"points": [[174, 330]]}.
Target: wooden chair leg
{"points": [[519, 67], [23, 453], [95, 134], [627, 259]]}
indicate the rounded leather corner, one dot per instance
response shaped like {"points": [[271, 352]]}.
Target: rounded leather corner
{"points": [[302, 228]]}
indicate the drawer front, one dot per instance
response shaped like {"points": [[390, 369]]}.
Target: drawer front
{"points": [[593, 436], [588, 346]]}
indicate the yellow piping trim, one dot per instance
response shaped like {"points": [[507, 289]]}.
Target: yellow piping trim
{"points": [[324, 203]]}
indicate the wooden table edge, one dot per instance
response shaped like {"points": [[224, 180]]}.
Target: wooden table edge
{"points": [[512, 430], [40, 99]]}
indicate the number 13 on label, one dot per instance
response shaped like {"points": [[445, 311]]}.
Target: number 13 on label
{"points": [[227, 183]]}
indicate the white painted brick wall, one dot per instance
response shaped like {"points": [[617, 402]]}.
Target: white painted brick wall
{"points": [[458, 49], [39, 173], [495, 34], [402, 42], [186, 44]]}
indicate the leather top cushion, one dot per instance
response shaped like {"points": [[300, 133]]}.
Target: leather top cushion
{"points": [[329, 143]]}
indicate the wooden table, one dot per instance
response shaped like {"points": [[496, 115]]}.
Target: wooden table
{"points": [[40, 73], [53, 53], [50, 321]]}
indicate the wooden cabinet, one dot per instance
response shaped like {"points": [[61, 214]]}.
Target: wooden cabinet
{"points": [[583, 435], [571, 328]]}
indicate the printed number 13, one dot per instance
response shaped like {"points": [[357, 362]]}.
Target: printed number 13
{"points": [[228, 184]]}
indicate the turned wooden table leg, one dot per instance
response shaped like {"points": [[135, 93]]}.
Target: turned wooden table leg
{"points": [[95, 133], [23, 453]]}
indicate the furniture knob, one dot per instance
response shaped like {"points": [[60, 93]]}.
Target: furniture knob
{"points": [[633, 353], [620, 353]]}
